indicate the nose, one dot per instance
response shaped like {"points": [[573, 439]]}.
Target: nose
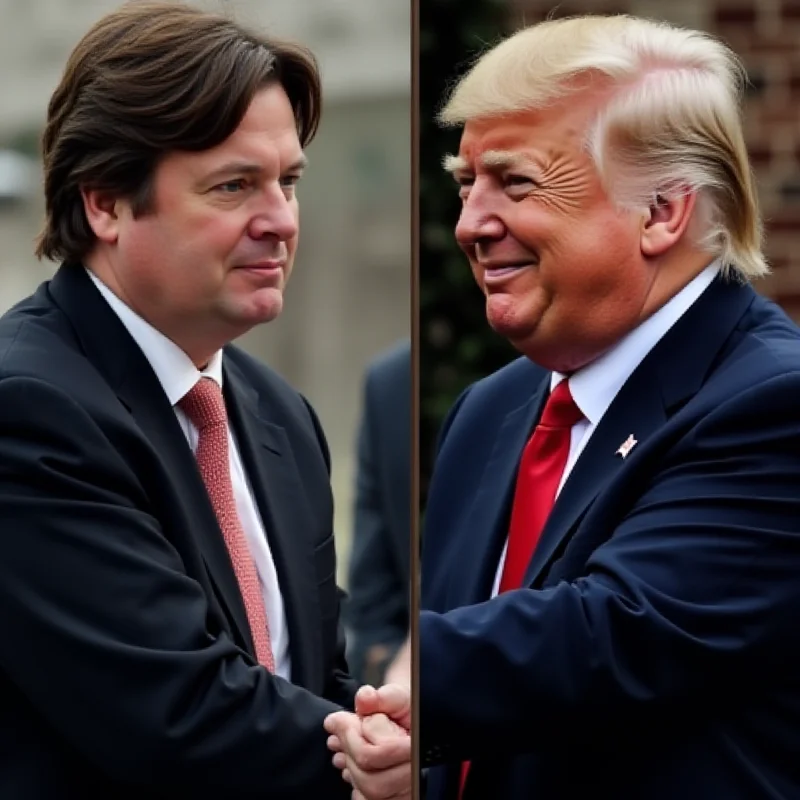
{"points": [[478, 220], [276, 217]]}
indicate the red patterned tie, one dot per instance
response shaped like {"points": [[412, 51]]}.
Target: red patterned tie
{"points": [[204, 405], [541, 467]]}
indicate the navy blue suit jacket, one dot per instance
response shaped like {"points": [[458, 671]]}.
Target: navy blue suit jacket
{"points": [[654, 652]]}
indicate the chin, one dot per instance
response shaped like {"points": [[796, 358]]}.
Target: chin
{"points": [[267, 304], [266, 313], [257, 310], [506, 320]]}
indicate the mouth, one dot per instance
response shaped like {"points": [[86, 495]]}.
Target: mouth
{"points": [[497, 273], [267, 265], [265, 274]]}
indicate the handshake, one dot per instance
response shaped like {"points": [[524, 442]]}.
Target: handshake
{"points": [[373, 746]]}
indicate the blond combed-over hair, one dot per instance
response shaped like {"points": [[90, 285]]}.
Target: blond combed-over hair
{"points": [[672, 124]]}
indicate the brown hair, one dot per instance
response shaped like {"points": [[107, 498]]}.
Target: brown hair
{"points": [[147, 79]]}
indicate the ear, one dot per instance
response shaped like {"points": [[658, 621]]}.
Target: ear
{"points": [[102, 212], [665, 223]]}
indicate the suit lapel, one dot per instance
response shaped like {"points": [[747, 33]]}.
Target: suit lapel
{"points": [[491, 506], [109, 346], [637, 410], [277, 488], [664, 380]]}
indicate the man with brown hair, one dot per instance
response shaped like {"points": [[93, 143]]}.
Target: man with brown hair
{"points": [[167, 574]]}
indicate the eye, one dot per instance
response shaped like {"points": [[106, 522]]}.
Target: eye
{"points": [[465, 183], [518, 187], [290, 181], [231, 187], [519, 180]]}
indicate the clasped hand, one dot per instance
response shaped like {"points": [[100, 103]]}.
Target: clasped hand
{"points": [[373, 746]]}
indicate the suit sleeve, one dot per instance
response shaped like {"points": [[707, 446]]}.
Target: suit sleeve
{"points": [[693, 596], [105, 634], [378, 603], [340, 686]]}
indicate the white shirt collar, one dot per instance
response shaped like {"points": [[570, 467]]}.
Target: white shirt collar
{"points": [[173, 368], [596, 385]]}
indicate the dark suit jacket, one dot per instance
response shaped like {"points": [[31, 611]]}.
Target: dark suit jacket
{"points": [[655, 653], [127, 664], [378, 587]]}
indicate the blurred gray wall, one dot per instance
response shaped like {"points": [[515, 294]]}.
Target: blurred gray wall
{"points": [[350, 292]]}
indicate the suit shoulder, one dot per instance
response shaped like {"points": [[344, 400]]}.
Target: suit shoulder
{"points": [[387, 380], [37, 341], [772, 333], [767, 346], [22, 326], [395, 360]]}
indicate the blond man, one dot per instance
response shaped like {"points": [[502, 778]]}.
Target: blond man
{"points": [[611, 548]]}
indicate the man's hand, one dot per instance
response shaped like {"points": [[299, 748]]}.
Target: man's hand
{"points": [[373, 753], [372, 747], [393, 700]]}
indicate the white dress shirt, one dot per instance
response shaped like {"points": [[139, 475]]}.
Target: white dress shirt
{"points": [[595, 386], [177, 375]]}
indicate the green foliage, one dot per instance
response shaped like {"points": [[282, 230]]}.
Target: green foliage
{"points": [[457, 347]]}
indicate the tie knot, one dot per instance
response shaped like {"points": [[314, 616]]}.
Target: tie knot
{"points": [[560, 411], [204, 404]]}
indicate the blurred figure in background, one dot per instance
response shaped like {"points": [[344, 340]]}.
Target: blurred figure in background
{"points": [[377, 611]]}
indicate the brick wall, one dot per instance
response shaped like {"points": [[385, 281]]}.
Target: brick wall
{"points": [[766, 35]]}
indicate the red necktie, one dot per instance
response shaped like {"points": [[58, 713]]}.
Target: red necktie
{"points": [[540, 471], [205, 407], [541, 467]]}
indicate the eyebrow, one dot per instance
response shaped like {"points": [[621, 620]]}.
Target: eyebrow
{"points": [[491, 159], [453, 163], [247, 168]]}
